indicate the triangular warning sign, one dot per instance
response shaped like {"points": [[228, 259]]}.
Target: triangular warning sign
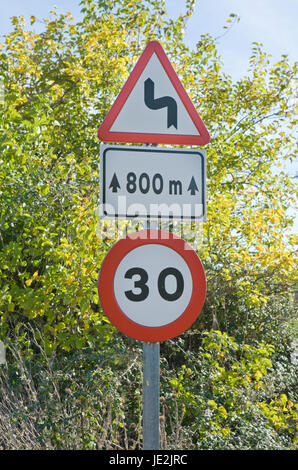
{"points": [[153, 106]]}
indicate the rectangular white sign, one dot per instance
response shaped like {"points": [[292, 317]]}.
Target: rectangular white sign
{"points": [[152, 183]]}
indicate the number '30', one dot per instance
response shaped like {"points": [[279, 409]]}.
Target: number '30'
{"points": [[141, 284]]}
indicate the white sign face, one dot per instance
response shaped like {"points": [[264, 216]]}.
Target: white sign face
{"points": [[153, 285], [142, 111], [152, 183]]}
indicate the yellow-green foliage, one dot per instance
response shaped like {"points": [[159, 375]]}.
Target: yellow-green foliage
{"points": [[228, 382], [225, 394], [59, 85]]}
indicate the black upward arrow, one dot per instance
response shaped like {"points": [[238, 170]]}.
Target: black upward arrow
{"points": [[192, 187], [114, 184]]}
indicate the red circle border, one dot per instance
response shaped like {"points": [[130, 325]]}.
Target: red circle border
{"points": [[106, 286]]}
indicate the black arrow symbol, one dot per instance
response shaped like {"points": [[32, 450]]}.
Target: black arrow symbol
{"points": [[192, 187], [114, 184], [158, 103]]}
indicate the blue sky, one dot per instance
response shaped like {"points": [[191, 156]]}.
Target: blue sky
{"points": [[271, 22]]}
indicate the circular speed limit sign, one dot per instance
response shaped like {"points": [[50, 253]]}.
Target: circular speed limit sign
{"points": [[152, 285]]}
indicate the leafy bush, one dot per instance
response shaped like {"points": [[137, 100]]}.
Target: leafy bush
{"points": [[72, 382], [230, 396], [83, 400]]}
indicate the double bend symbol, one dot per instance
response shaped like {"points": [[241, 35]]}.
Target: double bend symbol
{"points": [[158, 103]]}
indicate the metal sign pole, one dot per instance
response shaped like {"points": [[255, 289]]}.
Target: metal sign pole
{"points": [[151, 392], [151, 396]]}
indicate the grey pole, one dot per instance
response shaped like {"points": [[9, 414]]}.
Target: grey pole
{"points": [[151, 388], [151, 396]]}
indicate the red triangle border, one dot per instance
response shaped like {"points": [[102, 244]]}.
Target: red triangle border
{"points": [[106, 135]]}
